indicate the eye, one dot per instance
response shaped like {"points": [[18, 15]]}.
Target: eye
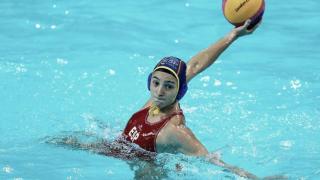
{"points": [[169, 86], [155, 83]]}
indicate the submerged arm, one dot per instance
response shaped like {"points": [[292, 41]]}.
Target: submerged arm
{"points": [[186, 143]]}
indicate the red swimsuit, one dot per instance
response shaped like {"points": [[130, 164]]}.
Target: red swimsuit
{"points": [[144, 133]]}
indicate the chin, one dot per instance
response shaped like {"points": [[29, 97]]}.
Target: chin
{"points": [[159, 104]]}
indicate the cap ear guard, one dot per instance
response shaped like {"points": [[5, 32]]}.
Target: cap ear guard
{"points": [[149, 80], [182, 91]]}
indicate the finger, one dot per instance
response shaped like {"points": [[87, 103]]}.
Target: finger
{"points": [[247, 23]]}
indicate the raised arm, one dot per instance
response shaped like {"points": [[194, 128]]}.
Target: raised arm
{"points": [[208, 56]]}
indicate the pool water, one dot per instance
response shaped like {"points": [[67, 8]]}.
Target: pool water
{"points": [[65, 66]]}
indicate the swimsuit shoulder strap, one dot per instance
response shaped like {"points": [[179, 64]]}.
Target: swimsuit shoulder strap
{"points": [[144, 109], [180, 112]]}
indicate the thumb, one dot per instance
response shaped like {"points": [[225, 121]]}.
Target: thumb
{"points": [[247, 23]]}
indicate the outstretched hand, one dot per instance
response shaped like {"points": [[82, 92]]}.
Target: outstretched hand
{"points": [[243, 30]]}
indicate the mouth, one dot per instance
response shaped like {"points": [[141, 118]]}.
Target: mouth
{"points": [[158, 99]]}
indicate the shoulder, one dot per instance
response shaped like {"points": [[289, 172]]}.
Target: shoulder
{"points": [[177, 119], [166, 139], [143, 110], [173, 125]]}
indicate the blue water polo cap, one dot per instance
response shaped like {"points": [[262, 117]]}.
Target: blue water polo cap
{"points": [[178, 68]]}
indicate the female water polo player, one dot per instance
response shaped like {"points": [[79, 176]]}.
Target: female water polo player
{"points": [[159, 127]]}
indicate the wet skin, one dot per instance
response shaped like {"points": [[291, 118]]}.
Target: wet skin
{"points": [[163, 89]]}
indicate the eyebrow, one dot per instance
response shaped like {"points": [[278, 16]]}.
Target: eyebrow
{"points": [[170, 82]]}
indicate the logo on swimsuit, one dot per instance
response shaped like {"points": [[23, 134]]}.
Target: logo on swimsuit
{"points": [[148, 134], [133, 134]]}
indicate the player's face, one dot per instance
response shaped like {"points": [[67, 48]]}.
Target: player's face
{"points": [[163, 88]]}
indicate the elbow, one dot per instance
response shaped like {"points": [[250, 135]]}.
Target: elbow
{"points": [[190, 68], [202, 152], [198, 152]]}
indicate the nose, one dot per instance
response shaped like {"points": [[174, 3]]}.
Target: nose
{"points": [[160, 91]]}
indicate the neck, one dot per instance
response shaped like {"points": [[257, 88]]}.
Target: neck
{"points": [[169, 107], [154, 110]]}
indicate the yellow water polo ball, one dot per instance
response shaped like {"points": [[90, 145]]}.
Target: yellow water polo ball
{"points": [[238, 11]]}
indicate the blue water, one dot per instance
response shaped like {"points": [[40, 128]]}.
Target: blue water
{"points": [[63, 63]]}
